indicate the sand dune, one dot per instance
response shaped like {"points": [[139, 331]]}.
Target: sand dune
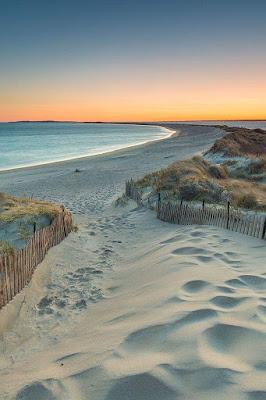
{"points": [[132, 308]]}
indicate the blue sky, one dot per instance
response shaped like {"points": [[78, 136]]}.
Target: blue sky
{"points": [[90, 44]]}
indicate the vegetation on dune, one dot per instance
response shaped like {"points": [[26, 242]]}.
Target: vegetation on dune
{"points": [[12, 208], [250, 168], [197, 179], [6, 248], [234, 170], [240, 142]]}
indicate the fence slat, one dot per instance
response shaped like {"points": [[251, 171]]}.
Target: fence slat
{"points": [[16, 270], [187, 214]]}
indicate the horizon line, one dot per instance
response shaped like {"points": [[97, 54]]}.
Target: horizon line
{"points": [[133, 122]]}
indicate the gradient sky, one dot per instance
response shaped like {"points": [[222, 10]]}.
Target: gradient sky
{"points": [[132, 59]]}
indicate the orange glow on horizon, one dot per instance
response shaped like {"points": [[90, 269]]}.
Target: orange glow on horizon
{"points": [[144, 98], [132, 114]]}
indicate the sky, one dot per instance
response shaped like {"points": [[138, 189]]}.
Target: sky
{"points": [[132, 60]]}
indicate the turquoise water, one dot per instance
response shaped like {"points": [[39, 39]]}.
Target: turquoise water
{"points": [[27, 144]]}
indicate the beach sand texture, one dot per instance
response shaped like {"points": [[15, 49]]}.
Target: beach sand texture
{"points": [[130, 307]]}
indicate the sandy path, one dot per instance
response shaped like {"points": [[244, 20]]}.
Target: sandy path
{"points": [[131, 307]]}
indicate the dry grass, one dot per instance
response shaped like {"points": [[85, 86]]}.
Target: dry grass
{"points": [[246, 194], [6, 248], [12, 208], [198, 179], [241, 142]]}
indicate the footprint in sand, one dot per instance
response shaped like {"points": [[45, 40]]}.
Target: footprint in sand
{"points": [[254, 281], [202, 378], [261, 365], [195, 286], [189, 250], [225, 289], [76, 292], [261, 311], [198, 234], [141, 387], [204, 259], [235, 344], [257, 395], [173, 239], [39, 390], [227, 302], [196, 316], [236, 283], [226, 260]]}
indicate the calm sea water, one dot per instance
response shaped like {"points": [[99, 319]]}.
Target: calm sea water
{"points": [[26, 144]]}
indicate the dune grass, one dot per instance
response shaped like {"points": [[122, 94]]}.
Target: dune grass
{"points": [[12, 208], [240, 142], [6, 248], [198, 179]]}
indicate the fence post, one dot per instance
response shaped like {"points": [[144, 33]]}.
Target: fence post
{"points": [[159, 204], [228, 214], [203, 205], [179, 212], [264, 229]]}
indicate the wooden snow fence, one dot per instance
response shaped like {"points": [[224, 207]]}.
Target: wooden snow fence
{"points": [[17, 269], [133, 193], [188, 213]]}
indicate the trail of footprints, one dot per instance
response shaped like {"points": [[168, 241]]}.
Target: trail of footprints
{"points": [[78, 288]]}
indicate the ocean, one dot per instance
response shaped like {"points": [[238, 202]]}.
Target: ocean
{"points": [[29, 144], [32, 143]]}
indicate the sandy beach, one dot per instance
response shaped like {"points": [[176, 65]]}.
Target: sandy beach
{"points": [[129, 307]]}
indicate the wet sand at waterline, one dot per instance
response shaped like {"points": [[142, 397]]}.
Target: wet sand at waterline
{"points": [[130, 307]]}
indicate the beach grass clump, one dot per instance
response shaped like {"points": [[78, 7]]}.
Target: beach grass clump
{"points": [[193, 189], [247, 201], [239, 142], [247, 194], [192, 179], [6, 248], [12, 208], [197, 179]]}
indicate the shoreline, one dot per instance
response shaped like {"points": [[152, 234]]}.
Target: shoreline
{"points": [[172, 133], [165, 125]]}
